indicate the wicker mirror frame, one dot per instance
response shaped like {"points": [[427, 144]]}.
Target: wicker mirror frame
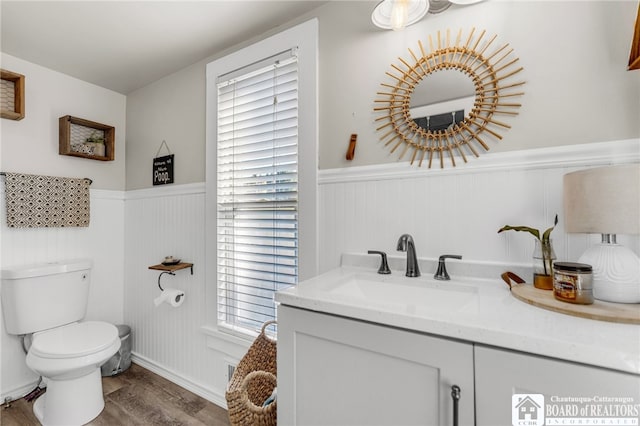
{"points": [[489, 74]]}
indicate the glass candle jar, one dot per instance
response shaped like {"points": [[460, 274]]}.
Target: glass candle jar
{"points": [[573, 282]]}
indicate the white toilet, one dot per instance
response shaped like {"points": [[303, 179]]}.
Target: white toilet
{"points": [[49, 300]]}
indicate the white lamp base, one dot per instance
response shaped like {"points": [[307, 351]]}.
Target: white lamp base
{"points": [[616, 273]]}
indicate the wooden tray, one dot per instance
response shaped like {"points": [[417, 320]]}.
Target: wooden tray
{"points": [[599, 310]]}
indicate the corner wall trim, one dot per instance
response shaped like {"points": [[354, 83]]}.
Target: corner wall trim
{"points": [[591, 154]]}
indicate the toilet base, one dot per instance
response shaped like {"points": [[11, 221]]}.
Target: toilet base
{"points": [[71, 402]]}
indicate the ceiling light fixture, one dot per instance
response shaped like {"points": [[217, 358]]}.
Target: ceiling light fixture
{"points": [[397, 14]]}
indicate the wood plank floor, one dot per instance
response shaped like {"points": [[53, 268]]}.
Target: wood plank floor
{"points": [[136, 397]]}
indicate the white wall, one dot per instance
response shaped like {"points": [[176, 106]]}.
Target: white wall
{"points": [[574, 55], [172, 109], [31, 146]]}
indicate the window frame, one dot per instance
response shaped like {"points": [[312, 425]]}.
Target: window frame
{"points": [[304, 37]]}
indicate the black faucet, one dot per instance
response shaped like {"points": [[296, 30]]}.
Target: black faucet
{"points": [[405, 243]]}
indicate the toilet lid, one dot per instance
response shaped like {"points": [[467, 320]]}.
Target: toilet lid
{"points": [[74, 340]]}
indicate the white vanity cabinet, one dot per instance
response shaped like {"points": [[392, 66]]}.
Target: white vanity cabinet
{"points": [[359, 348], [499, 374], [339, 371]]}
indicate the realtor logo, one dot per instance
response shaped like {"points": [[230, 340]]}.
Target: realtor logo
{"points": [[527, 410]]}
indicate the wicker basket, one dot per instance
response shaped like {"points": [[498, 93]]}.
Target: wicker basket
{"points": [[252, 383]]}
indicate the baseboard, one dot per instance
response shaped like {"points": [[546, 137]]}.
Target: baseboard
{"points": [[179, 380]]}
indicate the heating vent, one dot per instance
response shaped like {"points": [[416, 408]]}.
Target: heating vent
{"points": [[230, 369]]}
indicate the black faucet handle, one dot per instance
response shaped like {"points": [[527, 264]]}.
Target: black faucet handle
{"points": [[449, 256], [384, 266], [441, 273]]}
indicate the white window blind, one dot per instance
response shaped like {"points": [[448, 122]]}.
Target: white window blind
{"points": [[257, 191]]}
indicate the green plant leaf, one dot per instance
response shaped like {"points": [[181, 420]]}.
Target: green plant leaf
{"points": [[547, 233], [532, 231]]}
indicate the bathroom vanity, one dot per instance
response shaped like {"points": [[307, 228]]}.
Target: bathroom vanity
{"points": [[355, 347]]}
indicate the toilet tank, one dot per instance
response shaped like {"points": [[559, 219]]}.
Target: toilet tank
{"points": [[42, 296]]}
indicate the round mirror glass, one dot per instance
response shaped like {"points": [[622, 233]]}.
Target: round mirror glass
{"points": [[441, 99]]}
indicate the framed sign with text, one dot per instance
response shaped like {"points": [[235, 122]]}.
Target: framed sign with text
{"points": [[163, 170]]}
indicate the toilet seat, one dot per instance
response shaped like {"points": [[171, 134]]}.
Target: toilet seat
{"points": [[74, 340]]}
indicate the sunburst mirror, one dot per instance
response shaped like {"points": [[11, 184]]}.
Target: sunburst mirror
{"points": [[445, 103]]}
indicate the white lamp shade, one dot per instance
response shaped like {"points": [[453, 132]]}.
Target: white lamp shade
{"points": [[603, 200]]}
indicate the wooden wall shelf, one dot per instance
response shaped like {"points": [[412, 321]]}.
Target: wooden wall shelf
{"points": [[86, 139], [172, 268], [12, 95]]}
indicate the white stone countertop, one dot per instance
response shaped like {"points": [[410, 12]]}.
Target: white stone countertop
{"points": [[487, 313]]}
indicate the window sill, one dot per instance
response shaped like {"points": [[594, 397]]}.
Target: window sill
{"points": [[226, 343]]}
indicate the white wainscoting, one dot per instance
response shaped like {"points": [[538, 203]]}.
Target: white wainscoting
{"points": [[180, 344], [459, 210], [102, 242], [163, 221]]}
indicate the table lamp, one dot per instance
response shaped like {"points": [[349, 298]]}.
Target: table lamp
{"points": [[606, 201]]}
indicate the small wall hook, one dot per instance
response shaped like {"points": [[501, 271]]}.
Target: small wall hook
{"points": [[351, 151]]}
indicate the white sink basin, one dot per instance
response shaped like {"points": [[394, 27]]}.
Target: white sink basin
{"points": [[414, 293], [422, 296]]}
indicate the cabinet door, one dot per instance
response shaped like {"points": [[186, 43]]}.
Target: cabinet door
{"points": [[337, 371], [501, 374]]}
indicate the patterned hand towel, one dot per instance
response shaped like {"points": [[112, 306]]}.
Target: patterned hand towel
{"points": [[35, 201]]}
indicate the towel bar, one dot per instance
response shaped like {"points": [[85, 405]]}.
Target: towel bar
{"points": [[90, 181]]}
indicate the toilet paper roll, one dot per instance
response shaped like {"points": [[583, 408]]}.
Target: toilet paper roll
{"points": [[172, 296]]}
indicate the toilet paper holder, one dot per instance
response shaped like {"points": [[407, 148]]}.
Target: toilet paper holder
{"points": [[160, 276], [170, 269]]}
